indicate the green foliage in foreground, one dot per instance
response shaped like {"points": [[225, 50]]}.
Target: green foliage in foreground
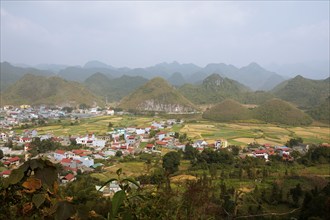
{"points": [[221, 187]]}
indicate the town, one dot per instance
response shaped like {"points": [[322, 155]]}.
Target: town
{"points": [[78, 153]]}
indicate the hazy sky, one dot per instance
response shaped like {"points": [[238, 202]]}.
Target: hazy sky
{"points": [[139, 34]]}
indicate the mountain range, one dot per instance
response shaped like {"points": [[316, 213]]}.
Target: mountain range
{"points": [[253, 76], [97, 83]]}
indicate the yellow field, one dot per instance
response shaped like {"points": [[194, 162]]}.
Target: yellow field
{"points": [[239, 134]]}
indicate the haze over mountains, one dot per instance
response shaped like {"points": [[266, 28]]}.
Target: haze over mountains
{"points": [[253, 75], [97, 83]]}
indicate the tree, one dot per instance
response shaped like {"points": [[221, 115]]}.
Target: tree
{"points": [[67, 109], [296, 193], [9, 143], [119, 153], [83, 106], [183, 137], [235, 149], [213, 170], [190, 152], [171, 162], [294, 142]]}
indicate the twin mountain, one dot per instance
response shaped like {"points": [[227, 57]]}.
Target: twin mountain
{"points": [[134, 92]]}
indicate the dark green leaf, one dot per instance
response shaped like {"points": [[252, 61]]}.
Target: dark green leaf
{"points": [[47, 175], [15, 176], [38, 199], [34, 164], [119, 171], [117, 201], [132, 181], [64, 210], [127, 215]]}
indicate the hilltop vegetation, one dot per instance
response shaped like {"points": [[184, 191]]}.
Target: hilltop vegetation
{"points": [[34, 90], [303, 92], [157, 95], [321, 112], [272, 111], [279, 111], [228, 110], [214, 89]]}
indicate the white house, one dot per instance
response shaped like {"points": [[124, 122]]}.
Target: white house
{"points": [[86, 161], [59, 155], [140, 131], [200, 144]]}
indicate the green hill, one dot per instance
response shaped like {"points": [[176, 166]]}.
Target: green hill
{"points": [[113, 89], [214, 89], [228, 110], [157, 95], [34, 90], [321, 112], [279, 111], [305, 93]]}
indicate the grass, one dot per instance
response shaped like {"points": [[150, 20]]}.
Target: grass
{"points": [[129, 169]]}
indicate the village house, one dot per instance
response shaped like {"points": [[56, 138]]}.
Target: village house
{"points": [[5, 173], [12, 161], [68, 178], [200, 144], [150, 147], [160, 135]]}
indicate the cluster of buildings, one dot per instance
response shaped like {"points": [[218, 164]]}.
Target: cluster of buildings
{"points": [[129, 140], [267, 150], [11, 116]]}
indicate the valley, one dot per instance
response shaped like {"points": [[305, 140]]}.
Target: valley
{"points": [[235, 133]]}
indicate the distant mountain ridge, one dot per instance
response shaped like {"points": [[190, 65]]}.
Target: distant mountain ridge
{"points": [[253, 76], [113, 90], [9, 74]]}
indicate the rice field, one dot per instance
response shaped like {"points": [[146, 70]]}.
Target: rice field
{"points": [[238, 134]]}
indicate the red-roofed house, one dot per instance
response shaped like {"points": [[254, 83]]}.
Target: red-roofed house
{"points": [[261, 153], [25, 140], [5, 173], [131, 140], [68, 178], [59, 154], [150, 147], [66, 162], [12, 161], [161, 143]]}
